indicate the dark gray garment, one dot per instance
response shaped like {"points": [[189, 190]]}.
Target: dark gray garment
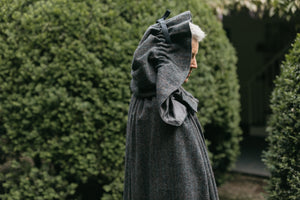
{"points": [[166, 157]]}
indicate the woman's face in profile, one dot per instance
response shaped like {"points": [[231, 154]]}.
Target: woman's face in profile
{"points": [[193, 65]]}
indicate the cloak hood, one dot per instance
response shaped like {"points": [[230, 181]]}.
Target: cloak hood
{"points": [[160, 67]]}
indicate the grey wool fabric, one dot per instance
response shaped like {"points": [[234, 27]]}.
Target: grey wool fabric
{"points": [[166, 156]]}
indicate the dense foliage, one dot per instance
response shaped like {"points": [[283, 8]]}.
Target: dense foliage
{"points": [[64, 93], [282, 156], [216, 86], [64, 99]]}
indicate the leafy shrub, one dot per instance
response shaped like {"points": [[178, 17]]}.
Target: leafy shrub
{"points": [[63, 98], [282, 155], [64, 93], [216, 86]]}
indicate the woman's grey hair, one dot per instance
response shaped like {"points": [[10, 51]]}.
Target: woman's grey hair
{"points": [[197, 33]]}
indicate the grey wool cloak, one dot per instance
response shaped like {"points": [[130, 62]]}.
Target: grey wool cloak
{"points": [[166, 156]]}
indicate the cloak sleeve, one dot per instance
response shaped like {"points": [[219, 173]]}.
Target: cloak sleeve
{"points": [[175, 108]]}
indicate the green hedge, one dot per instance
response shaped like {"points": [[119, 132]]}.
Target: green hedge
{"points": [[282, 155], [64, 98], [215, 84], [64, 93]]}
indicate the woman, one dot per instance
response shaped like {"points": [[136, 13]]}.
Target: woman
{"points": [[166, 157]]}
